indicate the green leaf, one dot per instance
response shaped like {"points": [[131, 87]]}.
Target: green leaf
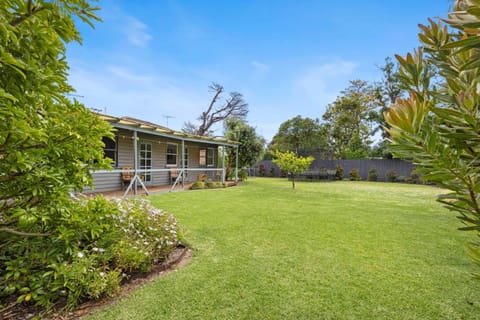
{"points": [[470, 42], [474, 62]]}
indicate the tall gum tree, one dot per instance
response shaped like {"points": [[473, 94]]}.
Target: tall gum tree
{"points": [[349, 121]]}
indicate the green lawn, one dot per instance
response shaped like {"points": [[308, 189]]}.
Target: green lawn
{"points": [[332, 250]]}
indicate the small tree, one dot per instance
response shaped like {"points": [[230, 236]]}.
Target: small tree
{"points": [[290, 162], [251, 146], [438, 127]]}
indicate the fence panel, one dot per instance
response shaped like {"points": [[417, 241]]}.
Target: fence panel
{"points": [[267, 168]]}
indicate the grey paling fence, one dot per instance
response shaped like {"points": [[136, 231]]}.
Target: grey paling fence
{"points": [[402, 168]]}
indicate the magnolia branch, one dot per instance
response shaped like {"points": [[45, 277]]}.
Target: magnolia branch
{"points": [[24, 234]]}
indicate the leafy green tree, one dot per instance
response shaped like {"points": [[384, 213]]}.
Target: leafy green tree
{"points": [[289, 162], [48, 143], [388, 90], [381, 150], [349, 121], [438, 126], [300, 135], [251, 146]]}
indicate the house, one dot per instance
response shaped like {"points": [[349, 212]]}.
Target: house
{"points": [[145, 154]]}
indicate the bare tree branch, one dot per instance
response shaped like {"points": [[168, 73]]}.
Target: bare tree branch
{"points": [[189, 127], [234, 106], [218, 89]]}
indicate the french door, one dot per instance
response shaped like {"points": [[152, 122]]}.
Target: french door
{"points": [[145, 158]]}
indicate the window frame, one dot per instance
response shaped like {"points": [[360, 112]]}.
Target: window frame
{"points": [[202, 157], [145, 170], [186, 156], [114, 150], [175, 154], [206, 157], [210, 157]]}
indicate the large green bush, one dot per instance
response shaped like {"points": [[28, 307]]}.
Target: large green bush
{"points": [[372, 174], [355, 175], [91, 246], [391, 175], [54, 249], [242, 175], [338, 172]]}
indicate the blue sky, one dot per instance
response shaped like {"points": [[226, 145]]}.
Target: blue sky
{"points": [[152, 59]]}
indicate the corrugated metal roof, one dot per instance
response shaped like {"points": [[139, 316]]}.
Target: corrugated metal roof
{"points": [[155, 129]]}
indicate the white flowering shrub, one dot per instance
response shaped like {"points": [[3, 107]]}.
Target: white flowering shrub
{"points": [[148, 234], [92, 245]]}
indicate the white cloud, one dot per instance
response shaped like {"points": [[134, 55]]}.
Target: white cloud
{"points": [[260, 67], [188, 26], [136, 32], [120, 92], [129, 77], [322, 83]]}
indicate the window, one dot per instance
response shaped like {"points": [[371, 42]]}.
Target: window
{"points": [[207, 157], [110, 149], [172, 154], [146, 160], [210, 157], [185, 157], [203, 157]]}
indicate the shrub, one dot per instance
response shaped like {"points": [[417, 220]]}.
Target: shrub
{"points": [[261, 170], [272, 172], [92, 243], [338, 172], [242, 175], [437, 127], [414, 178], [209, 185], [198, 185], [401, 179], [355, 175], [391, 175], [372, 174]]}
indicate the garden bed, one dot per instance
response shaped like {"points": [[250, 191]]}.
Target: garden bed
{"points": [[177, 259]]}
